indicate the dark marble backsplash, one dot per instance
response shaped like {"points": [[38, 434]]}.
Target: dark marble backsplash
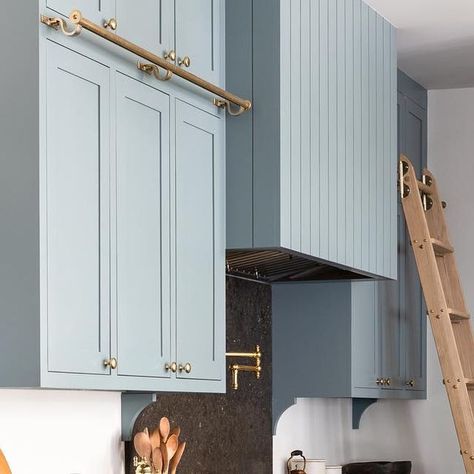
{"points": [[229, 433]]}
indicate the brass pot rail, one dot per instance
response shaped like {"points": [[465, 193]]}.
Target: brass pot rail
{"points": [[227, 98], [236, 368]]}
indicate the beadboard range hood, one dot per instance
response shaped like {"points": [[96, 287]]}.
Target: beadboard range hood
{"points": [[311, 170]]}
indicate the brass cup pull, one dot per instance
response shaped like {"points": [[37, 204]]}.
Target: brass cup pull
{"points": [[111, 363], [173, 367], [410, 383], [186, 368], [112, 24], [186, 61], [170, 55]]}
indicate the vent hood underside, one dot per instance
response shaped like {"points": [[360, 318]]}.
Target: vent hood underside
{"points": [[282, 265]]}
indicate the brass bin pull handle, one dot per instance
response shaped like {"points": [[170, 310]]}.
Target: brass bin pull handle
{"points": [[186, 61], [80, 22]]}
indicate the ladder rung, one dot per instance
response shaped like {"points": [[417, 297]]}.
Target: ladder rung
{"points": [[457, 315], [470, 384], [424, 188], [441, 248]]}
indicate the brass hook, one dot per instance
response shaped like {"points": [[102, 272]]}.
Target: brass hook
{"points": [[153, 69], [226, 104], [57, 23]]}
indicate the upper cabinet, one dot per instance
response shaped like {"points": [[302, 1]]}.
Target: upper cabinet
{"points": [[113, 253], [187, 32], [312, 173]]}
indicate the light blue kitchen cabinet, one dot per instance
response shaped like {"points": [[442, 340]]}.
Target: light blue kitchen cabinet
{"points": [[199, 243], [148, 23], [199, 33], [112, 209], [76, 213], [312, 171], [97, 11], [142, 236]]}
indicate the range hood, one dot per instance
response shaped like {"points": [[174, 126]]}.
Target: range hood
{"points": [[312, 168]]}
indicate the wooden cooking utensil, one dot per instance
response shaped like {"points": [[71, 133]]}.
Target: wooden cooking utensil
{"points": [[177, 458], [172, 446], [176, 430], [164, 455], [4, 467], [157, 460], [142, 444], [155, 439], [164, 429]]}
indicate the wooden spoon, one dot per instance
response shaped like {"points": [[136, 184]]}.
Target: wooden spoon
{"points": [[164, 429], [142, 444], [172, 446], [164, 455], [157, 460], [155, 439], [4, 468], [176, 430], [177, 458]]}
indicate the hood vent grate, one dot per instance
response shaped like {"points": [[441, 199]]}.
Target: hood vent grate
{"points": [[271, 266]]}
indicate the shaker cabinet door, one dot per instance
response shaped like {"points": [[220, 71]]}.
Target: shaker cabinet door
{"points": [[142, 229], [75, 212], [148, 23], [98, 11], [198, 37], [365, 335], [199, 243]]}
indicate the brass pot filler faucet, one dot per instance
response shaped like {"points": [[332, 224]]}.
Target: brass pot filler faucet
{"points": [[236, 368]]}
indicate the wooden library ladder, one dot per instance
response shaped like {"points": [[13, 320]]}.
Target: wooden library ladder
{"points": [[444, 298]]}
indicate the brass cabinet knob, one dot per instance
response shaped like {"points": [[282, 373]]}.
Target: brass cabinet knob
{"points": [[112, 24], [111, 363], [170, 55], [186, 61], [379, 381], [186, 368], [173, 367], [410, 383], [388, 382]]}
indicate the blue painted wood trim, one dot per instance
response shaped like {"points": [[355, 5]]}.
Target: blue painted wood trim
{"points": [[359, 405], [412, 89], [132, 405]]}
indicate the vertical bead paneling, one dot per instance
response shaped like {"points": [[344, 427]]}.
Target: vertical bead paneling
{"points": [[372, 167], [332, 119], [349, 139], [323, 158], [296, 68], [338, 105], [340, 237], [305, 111], [357, 117], [393, 145], [315, 99], [365, 221]]}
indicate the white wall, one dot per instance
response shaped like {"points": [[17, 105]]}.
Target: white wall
{"points": [[61, 432], [421, 431]]}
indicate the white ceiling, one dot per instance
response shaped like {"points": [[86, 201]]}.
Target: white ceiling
{"points": [[435, 39]]}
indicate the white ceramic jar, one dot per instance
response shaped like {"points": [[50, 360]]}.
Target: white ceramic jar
{"points": [[315, 466]]}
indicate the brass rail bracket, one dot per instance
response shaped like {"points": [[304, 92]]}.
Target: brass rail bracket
{"points": [[236, 368], [154, 70], [60, 23], [225, 104]]}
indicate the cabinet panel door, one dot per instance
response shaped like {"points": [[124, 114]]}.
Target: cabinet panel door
{"points": [[142, 229], [77, 208], [198, 33], [365, 335], [148, 23], [95, 10], [415, 317], [200, 253]]}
